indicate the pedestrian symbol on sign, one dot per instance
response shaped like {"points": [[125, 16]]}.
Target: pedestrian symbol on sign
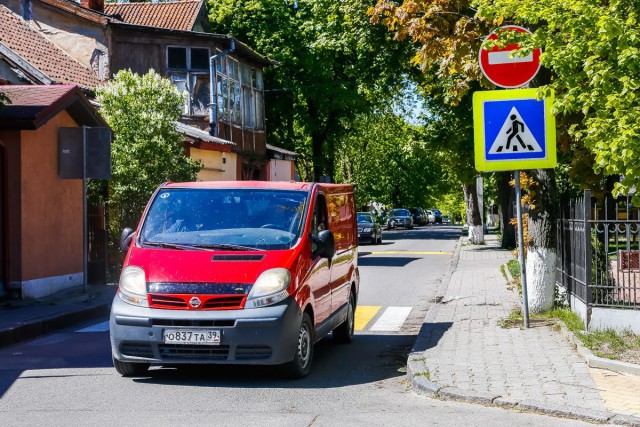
{"points": [[514, 136]]}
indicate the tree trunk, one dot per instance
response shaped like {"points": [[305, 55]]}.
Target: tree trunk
{"points": [[506, 197], [474, 220], [541, 252]]}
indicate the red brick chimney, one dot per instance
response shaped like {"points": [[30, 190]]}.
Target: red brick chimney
{"points": [[97, 5]]}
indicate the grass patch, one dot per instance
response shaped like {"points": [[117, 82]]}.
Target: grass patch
{"points": [[514, 268], [608, 344]]}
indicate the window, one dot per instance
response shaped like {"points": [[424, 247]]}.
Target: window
{"points": [[188, 70], [200, 59], [177, 58], [239, 93]]}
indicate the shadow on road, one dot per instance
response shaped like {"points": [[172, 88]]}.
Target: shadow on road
{"points": [[430, 334], [368, 359], [381, 261]]}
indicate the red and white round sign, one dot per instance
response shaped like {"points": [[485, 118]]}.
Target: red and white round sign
{"points": [[504, 71]]}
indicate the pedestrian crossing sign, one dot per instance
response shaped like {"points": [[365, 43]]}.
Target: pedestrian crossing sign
{"points": [[513, 130]]}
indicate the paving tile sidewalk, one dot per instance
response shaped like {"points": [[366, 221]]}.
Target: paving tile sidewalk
{"points": [[463, 353], [23, 320]]}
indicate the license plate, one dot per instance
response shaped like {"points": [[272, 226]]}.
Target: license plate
{"points": [[192, 336]]}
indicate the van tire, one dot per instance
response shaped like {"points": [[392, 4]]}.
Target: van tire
{"points": [[343, 334], [128, 369], [300, 366]]}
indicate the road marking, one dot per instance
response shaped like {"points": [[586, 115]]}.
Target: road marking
{"points": [[98, 327], [392, 319], [409, 253], [364, 314]]}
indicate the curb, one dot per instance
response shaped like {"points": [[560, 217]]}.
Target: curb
{"points": [[418, 377], [594, 361], [46, 325], [591, 359]]}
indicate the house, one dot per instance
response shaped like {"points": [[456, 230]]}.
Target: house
{"points": [[172, 38], [40, 214]]}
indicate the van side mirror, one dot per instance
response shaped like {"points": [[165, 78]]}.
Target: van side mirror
{"points": [[325, 243], [125, 239]]}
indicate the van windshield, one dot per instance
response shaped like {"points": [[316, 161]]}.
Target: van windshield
{"points": [[235, 219]]}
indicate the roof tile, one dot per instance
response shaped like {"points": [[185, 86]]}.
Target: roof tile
{"points": [[34, 47], [174, 15]]}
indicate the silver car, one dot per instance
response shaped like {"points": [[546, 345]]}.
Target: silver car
{"points": [[400, 218]]}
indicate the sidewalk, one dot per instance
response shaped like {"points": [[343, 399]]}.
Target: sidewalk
{"points": [[23, 320], [463, 354]]}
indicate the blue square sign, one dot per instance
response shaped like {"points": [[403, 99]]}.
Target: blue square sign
{"points": [[513, 130]]}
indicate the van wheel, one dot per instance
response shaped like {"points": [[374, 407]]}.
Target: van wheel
{"points": [[343, 334], [374, 239], [380, 239], [128, 369], [300, 366]]}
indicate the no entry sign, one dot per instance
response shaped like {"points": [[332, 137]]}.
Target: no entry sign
{"points": [[505, 69]]}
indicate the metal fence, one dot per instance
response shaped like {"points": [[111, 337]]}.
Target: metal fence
{"points": [[598, 251]]}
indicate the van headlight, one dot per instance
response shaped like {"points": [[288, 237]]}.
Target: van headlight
{"points": [[133, 286], [270, 288]]}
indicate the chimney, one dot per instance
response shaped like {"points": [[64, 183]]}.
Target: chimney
{"points": [[97, 5]]}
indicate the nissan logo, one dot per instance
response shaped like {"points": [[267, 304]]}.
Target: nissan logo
{"points": [[195, 302]]}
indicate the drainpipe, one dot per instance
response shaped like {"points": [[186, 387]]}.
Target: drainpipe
{"points": [[213, 89]]}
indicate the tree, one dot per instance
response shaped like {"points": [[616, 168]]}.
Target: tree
{"points": [[450, 128], [147, 150], [591, 48], [331, 66], [389, 162]]}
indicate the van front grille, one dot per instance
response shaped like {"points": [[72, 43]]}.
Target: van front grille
{"points": [[253, 352], [198, 323], [167, 301], [207, 302], [222, 302], [186, 351], [136, 349]]}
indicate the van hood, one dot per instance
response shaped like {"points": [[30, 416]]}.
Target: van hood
{"points": [[185, 266]]}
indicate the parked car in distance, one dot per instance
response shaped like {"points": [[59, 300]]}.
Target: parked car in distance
{"points": [[438, 215], [419, 216], [368, 229], [230, 273], [446, 219], [431, 218], [400, 218]]}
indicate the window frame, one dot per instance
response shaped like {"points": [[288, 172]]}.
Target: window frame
{"points": [[191, 76]]}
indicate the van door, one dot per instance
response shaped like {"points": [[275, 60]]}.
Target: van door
{"points": [[342, 223], [319, 279]]}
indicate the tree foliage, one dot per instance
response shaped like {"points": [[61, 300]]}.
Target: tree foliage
{"points": [[147, 150], [389, 162], [590, 49], [331, 66]]}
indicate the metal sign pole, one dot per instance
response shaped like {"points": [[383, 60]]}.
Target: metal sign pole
{"points": [[523, 272]]}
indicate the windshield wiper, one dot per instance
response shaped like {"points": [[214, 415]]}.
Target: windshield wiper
{"points": [[226, 246], [171, 245]]}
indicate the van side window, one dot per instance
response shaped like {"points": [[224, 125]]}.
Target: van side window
{"points": [[319, 215]]}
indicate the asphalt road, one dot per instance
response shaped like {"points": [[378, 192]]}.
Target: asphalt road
{"points": [[66, 378]]}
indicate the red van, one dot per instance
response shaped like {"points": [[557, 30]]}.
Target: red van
{"points": [[240, 272]]}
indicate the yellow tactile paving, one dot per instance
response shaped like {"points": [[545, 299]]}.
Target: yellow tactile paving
{"points": [[409, 253], [620, 392], [364, 314]]}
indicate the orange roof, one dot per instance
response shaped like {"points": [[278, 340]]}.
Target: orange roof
{"points": [[175, 15], [34, 48], [32, 106]]}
